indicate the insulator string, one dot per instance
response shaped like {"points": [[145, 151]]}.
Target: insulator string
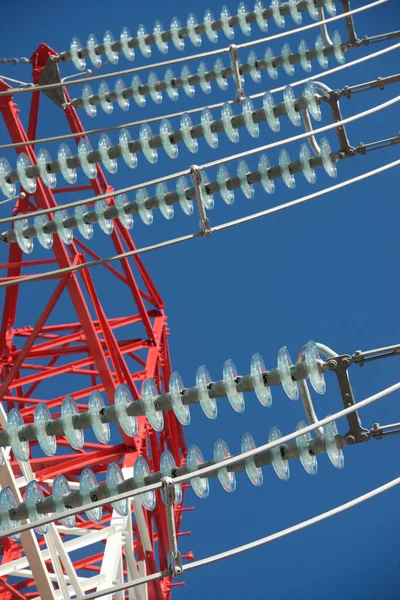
{"points": [[178, 400], [147, 143], [319, 22], [304, 135], [155, 87], [229, 158], [197, 56], [127, 44], [102, 261], [164, 200], [196, 110], [204, 471]]}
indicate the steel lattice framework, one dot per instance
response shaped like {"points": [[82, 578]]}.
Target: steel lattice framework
{"points": [[105, 352], [100, 351]]}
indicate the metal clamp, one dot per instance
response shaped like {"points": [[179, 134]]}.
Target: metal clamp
{"points": [[339, 365], [349, 21], [332, 98], [234, 56], [168, 497], [195, 174]]}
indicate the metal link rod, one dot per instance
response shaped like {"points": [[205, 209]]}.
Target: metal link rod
{"points": [[363, 353], [382, 37]]}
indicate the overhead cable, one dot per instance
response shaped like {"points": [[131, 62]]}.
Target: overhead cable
{"points": [[246, 547]]}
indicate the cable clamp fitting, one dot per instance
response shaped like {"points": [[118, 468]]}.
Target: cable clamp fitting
{"points": [[168, 497], [234, 56], [195, 174]]}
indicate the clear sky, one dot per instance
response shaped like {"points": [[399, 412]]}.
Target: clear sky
{"points": [[326, 271]]}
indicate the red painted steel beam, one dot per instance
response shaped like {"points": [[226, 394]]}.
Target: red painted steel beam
{"points": [[45, 199], [30, 341], [31, 263], [88, 347]]}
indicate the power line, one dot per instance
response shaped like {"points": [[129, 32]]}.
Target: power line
{"points": [[15, 61], [102, 261], [295, 528]]}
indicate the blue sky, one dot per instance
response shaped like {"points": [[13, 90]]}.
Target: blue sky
{"points": [[326, 271]]}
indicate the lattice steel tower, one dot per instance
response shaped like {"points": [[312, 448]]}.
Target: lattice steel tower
{"points": [[57, 375]]}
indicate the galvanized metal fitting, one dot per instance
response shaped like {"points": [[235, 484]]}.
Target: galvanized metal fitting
{"points": [[195, 174], [174, 557], [234, 56]]}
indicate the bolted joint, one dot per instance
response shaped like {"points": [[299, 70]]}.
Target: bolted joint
{"points": [[332, 364], [350, 439], [334, 95], [346, 92], [361, 149], [351, 151], [346, 361], [195, 174], [358, 359], [376, 432], [175, 563]]}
